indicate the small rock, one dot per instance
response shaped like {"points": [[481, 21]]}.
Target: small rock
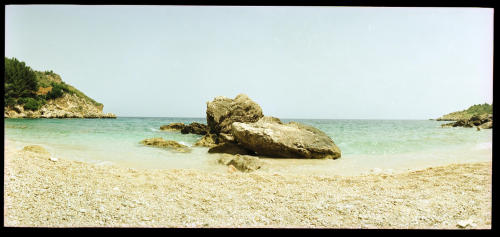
{"points": [[231, 169], [83, 210], [53, 159], [80, 193], [465, 223]]}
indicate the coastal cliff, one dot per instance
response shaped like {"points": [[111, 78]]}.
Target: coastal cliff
{"points": [[35, 94], [479, 116], [67, 106]]}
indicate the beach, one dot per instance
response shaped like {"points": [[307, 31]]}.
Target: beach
{"points": [[44, 192]]}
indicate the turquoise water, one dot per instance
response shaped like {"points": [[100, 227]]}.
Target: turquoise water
{"points": [[116, 141]]}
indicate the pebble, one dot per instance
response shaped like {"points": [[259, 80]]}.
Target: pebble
{"points": [[465, 223], [231, 169], [83, 210], [53, 159]]}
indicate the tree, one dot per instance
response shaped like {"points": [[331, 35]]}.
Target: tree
{"points": [[20, 80]]}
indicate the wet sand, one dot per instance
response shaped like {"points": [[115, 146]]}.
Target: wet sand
{"points": [[40, 192]]}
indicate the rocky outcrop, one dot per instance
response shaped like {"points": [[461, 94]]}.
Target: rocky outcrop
{"points": [[238, 126], [270, 137], [195, 128], [484, 121], [173, 127], [67, 106], [162, 143], [241, 162], [474, 110], [223, 111], [209, 140]]}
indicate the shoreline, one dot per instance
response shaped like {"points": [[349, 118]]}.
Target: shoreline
{"points": [[40, 192]]}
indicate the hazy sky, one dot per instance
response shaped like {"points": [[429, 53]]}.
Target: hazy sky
{"points": [[296, 62]]}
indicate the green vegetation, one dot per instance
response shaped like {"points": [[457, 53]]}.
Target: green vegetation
{"points": [[57, 91], [22, 84], [478, 109], [33, 104]]}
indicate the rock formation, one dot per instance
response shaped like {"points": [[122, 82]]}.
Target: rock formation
{"points": [[195, 128], [484, 121], [222, 112], [272, 138], [173, 127], [238, 126], [241, 162], [67, 106], [209, 140]]}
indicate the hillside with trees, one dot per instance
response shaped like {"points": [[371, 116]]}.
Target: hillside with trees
{"points": [[31, 93], [475, 110]]}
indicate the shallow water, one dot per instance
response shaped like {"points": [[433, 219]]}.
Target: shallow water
{"points": [[366, 145]]}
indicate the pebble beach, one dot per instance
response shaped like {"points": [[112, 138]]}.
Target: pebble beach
{"points": [[42, 191]]}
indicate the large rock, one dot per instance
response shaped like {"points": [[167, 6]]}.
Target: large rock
{"points": [[222, 112], [162, 143], [241, 162], [195, 128], [487, 125], [272, 138]]}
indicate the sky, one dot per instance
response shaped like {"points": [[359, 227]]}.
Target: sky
{"points": [[295, 62]]}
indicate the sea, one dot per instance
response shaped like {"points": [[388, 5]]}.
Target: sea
{"points": [[367, 146]]}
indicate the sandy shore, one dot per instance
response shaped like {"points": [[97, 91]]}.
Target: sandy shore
{"points": [[40, 192]]}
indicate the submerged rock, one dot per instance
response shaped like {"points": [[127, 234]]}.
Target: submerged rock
{"points": [[223, 111], [294, 140], [37, 151], [162, 143], [241, 162]]}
